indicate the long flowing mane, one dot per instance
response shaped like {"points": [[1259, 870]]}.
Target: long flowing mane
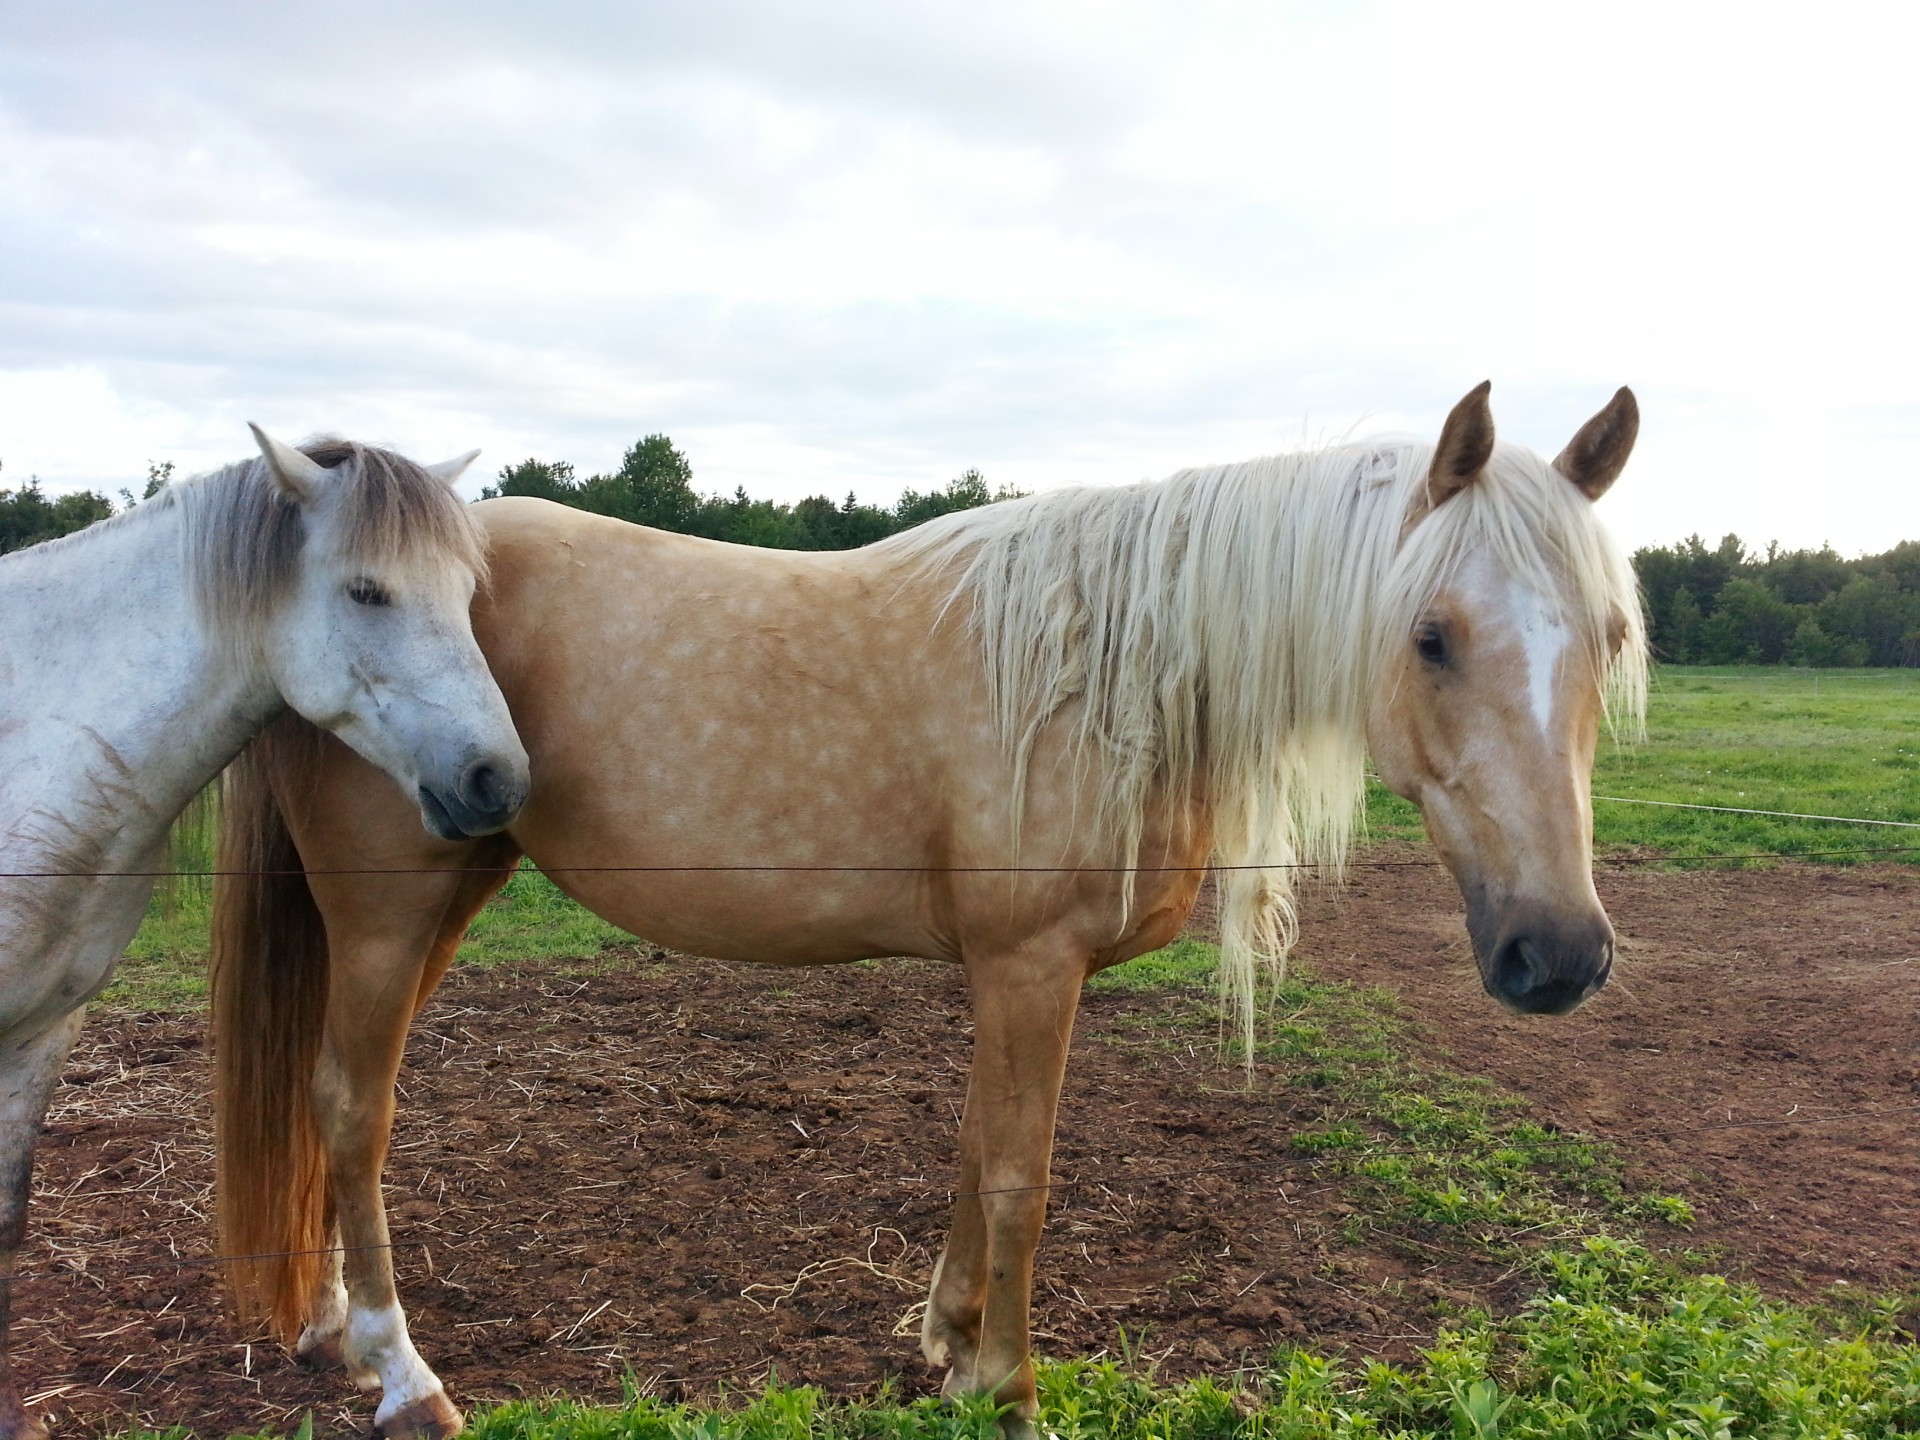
{"points": [[1220, 633], [243, 536]]}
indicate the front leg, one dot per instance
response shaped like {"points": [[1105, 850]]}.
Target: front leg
{"points": [[28, 1068], [978, 1314]]}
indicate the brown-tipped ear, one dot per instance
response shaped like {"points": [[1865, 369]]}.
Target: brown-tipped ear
{"points": [[299, 477], [1466, 445], [1595, 457]]}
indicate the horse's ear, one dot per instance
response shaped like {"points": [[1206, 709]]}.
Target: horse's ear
{"points": [[299, 476], [1595, 457], [1466, 445], [448, 471]]}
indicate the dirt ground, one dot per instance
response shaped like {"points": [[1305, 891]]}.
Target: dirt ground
{"points": [[697, 1172]]}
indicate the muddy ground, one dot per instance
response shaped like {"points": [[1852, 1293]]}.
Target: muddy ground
{"points": [[696, 1172]]}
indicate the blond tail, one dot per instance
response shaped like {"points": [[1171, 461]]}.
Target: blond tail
{"points": [[269, 981]]}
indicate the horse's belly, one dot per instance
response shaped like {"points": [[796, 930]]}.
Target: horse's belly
{"points": [[773, 913]]}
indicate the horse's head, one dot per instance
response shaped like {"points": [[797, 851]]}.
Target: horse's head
{"points": [[1490, 700], [370, 636]]}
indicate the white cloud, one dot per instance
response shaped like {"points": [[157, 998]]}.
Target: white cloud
{"points": [[852, 245]]}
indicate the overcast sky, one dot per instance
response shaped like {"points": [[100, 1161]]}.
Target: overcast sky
{"points": [[862, 246]]}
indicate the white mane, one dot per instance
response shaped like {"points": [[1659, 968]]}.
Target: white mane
{"points": [[1222, 630]]}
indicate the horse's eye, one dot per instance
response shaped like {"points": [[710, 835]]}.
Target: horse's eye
{"points": [[367, 592], [1431, 644]]}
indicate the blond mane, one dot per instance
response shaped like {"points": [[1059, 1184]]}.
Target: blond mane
{"points": [[1222, 631]]}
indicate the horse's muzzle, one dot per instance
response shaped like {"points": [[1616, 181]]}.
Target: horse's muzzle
{"points": [[1544, 968], [483, 799]]}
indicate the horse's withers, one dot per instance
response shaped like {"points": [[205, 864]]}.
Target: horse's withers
{"points": [[1486, 716]]}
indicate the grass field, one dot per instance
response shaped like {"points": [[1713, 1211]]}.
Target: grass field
{"points": [[1629, 1335]]}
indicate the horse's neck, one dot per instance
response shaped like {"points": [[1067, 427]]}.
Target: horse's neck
{"points": [[100, 641]]}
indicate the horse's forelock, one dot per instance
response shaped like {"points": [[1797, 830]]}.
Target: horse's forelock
{"points": [[394, 511], [245, 536], [1535, 525]]}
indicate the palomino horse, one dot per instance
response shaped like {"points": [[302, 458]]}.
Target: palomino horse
{"points": [[1038, 723], [137, 658]]}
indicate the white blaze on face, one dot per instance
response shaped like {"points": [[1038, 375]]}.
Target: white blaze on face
{"points": [[1544, 637]]}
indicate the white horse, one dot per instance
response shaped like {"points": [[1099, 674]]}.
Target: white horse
{"points": [[139, 656]]}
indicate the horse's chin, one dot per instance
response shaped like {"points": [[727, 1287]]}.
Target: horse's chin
{"points": [[450, 820]]}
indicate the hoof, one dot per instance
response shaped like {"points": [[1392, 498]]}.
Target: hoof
{"points": [[16, 1422], [431, 1417], [321, 1353]]}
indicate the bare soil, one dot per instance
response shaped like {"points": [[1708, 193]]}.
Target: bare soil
{"points": [[695, 1173]]}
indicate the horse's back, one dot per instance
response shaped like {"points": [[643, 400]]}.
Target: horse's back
{"points": [[689, 703]]}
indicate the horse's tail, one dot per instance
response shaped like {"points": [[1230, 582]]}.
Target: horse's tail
{"points": [[269, 981]]}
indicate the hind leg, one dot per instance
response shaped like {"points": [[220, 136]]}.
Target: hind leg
{"points": [[322, 1343], [390, 939]]}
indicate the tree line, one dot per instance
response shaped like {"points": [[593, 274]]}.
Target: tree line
{"points": [[1723, 605], [28, 516], [1730, 606], [654, 486]]}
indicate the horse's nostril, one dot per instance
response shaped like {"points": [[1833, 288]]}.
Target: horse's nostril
{"points": [[480, 787], [1516, 970], [1539, 979]]}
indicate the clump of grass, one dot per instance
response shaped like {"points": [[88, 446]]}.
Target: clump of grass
{"points": [[1422, 1150], [1186, 964], [532, 920]]}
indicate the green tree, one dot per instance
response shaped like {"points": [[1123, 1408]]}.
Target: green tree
{"points": [[1681, 632], [540, 479], [654, 486], [1875, 612], [27, 516], [1750, 625], [966, 491]]}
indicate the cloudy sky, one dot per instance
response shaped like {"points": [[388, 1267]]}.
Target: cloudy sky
{"points": [[863, 244]]}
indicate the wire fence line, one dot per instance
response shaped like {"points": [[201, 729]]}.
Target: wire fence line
{"points": [[1654, 859], [750, 869], [1742, 810]]}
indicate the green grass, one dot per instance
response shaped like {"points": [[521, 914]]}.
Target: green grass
{"points": [[1426, 1156], [532, 920], [1618, 1348]]}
